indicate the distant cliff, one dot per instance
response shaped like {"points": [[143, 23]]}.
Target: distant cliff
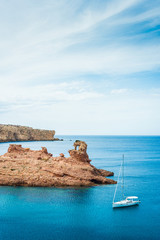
{"points": [[13, 133]]}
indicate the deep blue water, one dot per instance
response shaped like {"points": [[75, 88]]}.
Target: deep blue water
{"points": [[86, 213]]}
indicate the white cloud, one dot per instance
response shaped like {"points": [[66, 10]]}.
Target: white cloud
{"points": [[122, 60], [47, 47], [148, 15], [41, 49], [42, 95], [119, 91], [103, 115]]}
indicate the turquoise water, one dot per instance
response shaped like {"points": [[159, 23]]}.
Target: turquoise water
{"points": [[86, 213]]}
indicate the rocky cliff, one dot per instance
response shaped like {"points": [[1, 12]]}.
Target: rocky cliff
{"points": [[13, 133], [24, 167]]}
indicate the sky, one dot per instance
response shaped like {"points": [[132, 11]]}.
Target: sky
{"points": [[84, 67]]}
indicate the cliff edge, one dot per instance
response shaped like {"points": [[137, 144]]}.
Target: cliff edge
{"points": [[13, 133], [24, 167]]}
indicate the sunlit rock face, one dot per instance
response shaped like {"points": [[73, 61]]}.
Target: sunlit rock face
{"points": [[25, 167], [13, 133]]}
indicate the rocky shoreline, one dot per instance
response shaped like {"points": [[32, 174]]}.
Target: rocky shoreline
{"points": [[24, 167], [16, 133]]}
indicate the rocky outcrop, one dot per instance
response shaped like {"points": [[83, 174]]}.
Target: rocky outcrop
{"points": [[24, 167], [13, 133]]}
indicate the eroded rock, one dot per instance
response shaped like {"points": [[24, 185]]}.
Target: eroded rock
{"points": [[24, 167]]}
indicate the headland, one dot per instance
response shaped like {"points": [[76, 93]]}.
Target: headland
{"points": [[16, 133], [25, 167]]}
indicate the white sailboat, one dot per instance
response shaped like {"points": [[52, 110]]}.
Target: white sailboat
{"points": [[128, 201]]}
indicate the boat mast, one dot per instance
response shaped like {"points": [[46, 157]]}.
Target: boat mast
{"points": [[117, 182], [123, 178]]}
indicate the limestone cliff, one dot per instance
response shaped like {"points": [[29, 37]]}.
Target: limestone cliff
{"points": [[13, 133], [25, 167]]}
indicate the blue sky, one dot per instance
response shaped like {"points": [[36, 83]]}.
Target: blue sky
{"points": [[81, 67]]}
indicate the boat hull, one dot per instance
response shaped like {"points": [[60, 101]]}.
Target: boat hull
{"points": [[125, 204]]}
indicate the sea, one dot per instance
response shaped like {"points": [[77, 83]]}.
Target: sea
{"points": [[37, 213]]}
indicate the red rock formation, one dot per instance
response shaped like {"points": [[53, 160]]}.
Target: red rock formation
{"points": [[25, 167], [61, 155]]}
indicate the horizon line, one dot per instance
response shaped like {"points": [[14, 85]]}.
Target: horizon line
{"points": [[116, 135]]}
